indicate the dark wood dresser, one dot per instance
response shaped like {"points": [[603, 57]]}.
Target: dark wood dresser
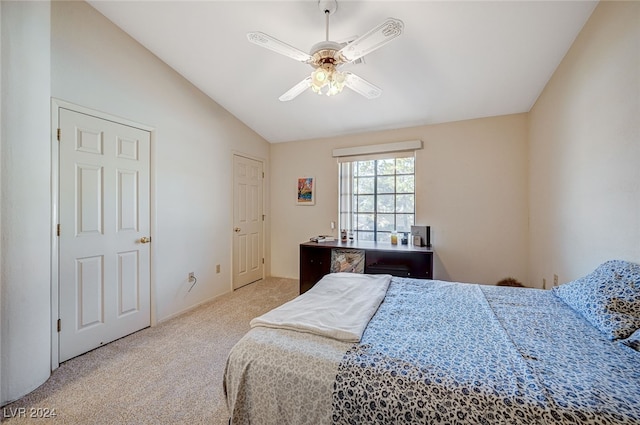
{"points": [[379, 258]]}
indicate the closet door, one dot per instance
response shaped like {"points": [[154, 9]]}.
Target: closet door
{"points": [[104, 249]]}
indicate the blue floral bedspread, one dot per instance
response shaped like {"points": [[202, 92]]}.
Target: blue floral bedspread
{"points": [[453, 353]]}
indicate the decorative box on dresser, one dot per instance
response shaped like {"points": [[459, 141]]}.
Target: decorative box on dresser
{"points": [[379, 258]]}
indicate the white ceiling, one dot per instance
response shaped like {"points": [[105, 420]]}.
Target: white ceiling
{"points": [[455, 60]]}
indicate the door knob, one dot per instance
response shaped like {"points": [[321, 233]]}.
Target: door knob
{"points": [[145, 239], [236, 229]]}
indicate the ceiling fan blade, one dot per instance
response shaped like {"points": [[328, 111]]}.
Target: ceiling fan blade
{"points": [[361, 86], [266, 41], [372, 40], [294, 91]]}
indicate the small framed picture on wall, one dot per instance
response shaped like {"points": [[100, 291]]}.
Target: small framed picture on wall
{"points": [[306, 191]]}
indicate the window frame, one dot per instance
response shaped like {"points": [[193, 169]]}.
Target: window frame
{"points": [[348, 194]]}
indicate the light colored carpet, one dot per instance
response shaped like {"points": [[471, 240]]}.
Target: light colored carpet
{"points": [[168, 374]]}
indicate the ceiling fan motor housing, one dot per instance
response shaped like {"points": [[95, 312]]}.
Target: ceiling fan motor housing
{"points": [[326, 52]]}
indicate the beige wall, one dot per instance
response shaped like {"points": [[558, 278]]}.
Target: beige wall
{"points": [[69, 51], [585, 151], [471, 180], [555, 191], [98, 66], [25, 289]]}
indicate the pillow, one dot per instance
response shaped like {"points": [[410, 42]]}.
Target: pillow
{"points": [[633, 341], [609, 298]]}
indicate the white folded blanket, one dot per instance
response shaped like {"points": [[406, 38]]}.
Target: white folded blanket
{"points": [[339, 306]]}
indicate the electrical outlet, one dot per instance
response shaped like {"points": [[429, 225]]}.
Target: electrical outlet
{"points": [[191, 276], [555, 280], [217, 268]]}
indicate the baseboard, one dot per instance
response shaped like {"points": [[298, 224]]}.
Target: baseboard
{"points": [[188, 309]]}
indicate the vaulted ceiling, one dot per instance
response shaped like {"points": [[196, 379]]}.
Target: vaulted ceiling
{"points": [[455, 60]]}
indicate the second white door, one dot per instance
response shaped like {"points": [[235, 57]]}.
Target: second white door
{"points": [[248, 258]]}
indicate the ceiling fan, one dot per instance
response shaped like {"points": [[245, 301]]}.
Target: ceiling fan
{"points": [[326, 57]]}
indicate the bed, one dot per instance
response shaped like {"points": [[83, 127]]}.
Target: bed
{"points": [[436, 352]]}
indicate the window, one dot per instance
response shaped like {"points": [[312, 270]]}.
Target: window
{"points": [[377, 196]]}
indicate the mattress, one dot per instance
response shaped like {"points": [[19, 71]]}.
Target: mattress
{"points": [[440, 352]]}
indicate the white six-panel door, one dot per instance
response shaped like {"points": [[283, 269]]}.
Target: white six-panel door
{"points": [[248, 221], [104, 254]]}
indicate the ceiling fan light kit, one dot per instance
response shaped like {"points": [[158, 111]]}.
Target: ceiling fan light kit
{"points": [[326, 79], [327, 57]]}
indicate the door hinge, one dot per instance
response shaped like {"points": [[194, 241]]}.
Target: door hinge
{"points": [[262, 217], [58, 229], [58, 135], [263, 174], [59, 325], [263, 261]]}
